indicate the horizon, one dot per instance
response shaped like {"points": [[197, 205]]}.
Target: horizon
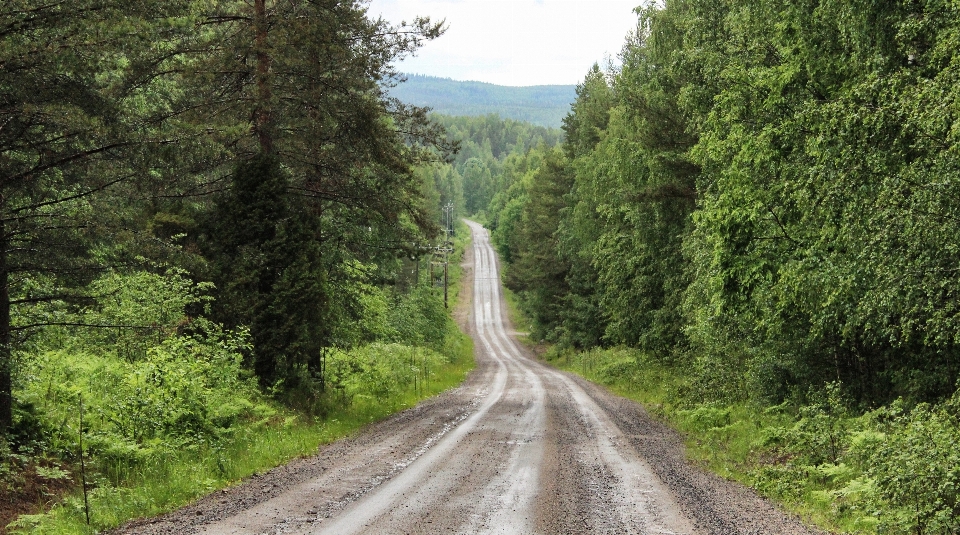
{"points": [[447, 78]]}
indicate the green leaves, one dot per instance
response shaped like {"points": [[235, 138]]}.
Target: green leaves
{"points": [[377, 371], [820, 204], [773, 185], [916, 470]]}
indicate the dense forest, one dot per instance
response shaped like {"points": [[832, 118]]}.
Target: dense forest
{"points": [[762, 201], [543, 105], [210, 212], [491, 152]]}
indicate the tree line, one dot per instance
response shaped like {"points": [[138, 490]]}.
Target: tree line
{"points": [[251, 145], [763, 191]]}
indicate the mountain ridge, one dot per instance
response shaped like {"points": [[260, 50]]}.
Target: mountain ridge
{"points": [[544, 105]]}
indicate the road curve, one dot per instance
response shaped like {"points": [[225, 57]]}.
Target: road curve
{"points": [[519, 448]]}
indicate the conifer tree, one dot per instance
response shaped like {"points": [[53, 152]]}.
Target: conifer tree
{"points": [[324, 176]]}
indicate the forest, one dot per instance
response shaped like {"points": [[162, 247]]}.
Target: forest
{"points": [[216, 240], [749, 225]]}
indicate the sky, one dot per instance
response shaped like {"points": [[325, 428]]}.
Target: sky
{"points": [[515, 42]]}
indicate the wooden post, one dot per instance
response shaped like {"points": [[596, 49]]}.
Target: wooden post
{"points": [[6, 353], [83, 466]]}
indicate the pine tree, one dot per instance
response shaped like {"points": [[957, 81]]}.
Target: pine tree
{"points": [[325, 175]]}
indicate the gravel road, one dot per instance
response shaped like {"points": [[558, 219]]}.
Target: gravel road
{"points": [[519, 448]]}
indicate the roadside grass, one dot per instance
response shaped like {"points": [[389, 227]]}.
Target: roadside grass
{"points": [[461, 240], [170, 476], [520, 322], [163, 483]]}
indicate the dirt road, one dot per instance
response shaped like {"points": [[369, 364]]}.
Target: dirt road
{"points": [[519, 448]]}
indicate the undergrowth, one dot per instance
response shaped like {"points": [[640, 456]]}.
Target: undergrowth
{"points": [[166, 477]]}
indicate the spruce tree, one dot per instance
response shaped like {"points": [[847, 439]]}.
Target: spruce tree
{"points": [[325, 175], [269, 270]]}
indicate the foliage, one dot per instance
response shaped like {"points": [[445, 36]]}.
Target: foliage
{"points": [[174, 420], [124, 118], [916, 468], [526, 232], [135, 311], [493, 154], [269, 269], [197, 197], [81, 120], [379, 371], [176, 383], [323, 198]]}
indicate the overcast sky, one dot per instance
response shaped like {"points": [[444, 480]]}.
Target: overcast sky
{"points": [[515, 42]]}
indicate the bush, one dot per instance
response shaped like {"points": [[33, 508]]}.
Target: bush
{"points": [[150, 305], [419, 318], [185, 391], [917, 468], [821, 434], [378, 371]]}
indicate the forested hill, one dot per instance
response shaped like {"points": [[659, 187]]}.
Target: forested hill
{"points": [[543, 105], [494, 153]]}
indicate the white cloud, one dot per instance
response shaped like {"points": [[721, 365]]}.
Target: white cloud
{"points": [[515, 42]]}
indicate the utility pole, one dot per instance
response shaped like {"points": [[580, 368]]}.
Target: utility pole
{"points": [[448, 219], [445, 249], [441, 255]]}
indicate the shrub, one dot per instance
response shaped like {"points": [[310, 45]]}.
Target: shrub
{"points": [[917, 468], [378, 371], [186, 390]]}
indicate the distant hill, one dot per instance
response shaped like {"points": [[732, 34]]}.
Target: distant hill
{"points": [[544, 105]]}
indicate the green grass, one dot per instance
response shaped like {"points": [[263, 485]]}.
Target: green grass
{"points": [[461, 240], [520, 321], [165, 483]]}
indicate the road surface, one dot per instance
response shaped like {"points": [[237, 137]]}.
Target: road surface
{"points": [[519, 448]]}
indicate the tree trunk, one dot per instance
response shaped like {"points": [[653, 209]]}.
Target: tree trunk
{"points": [[6, 364], [262, 121]]}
